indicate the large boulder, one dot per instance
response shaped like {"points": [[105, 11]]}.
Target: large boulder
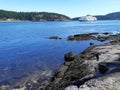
{"points": [[91, 43], [69, 56], [71, 38]]}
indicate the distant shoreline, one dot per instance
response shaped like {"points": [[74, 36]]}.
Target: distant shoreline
{"points": [[31, 21], [14, 21], [32, 16]]}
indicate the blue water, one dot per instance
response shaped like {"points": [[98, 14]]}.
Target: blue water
{"points": [[25, 47]]}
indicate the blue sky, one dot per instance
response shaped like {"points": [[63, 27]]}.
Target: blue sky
{"points": [[72, 8]]}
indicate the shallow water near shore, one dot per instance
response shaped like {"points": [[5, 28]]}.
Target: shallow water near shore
{"points": [[26, 51]]}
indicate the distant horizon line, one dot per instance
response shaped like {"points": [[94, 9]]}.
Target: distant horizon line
{"points": [[55, 12]]}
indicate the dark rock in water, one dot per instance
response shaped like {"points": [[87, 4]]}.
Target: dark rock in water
{"points": [[70, 38], [102, 68], [84, 37], [94, 36], [115, 37], [79, 37], [69, 56], [91, 43], [55, 37], [106, 33], [93, 33], [102, 39]]}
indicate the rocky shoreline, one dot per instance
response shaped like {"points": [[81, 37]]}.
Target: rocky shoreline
{"points": [[94, 36], [86, 72], [96, 68], [105, 36]]}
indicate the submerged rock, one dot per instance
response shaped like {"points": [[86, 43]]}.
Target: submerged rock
{"points": [[55, 37]]}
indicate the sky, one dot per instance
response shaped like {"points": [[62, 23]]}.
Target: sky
{"points": [[71, 8]]}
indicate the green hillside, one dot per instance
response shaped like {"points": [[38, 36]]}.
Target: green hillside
{"points": [[32, 16]]}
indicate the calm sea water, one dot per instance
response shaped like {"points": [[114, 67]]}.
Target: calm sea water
{"points": [[25, 48]]}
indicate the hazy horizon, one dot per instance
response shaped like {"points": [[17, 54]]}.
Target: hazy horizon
{"points": [[69, 8]]}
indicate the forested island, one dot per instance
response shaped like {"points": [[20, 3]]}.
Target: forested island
{"points": [[110, 16], [46, 16], [31, 16]]}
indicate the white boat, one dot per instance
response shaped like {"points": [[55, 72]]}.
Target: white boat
{"points": [[88, 18]]}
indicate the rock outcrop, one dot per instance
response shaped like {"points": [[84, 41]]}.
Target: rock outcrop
{"points": [[94, 36], [85, 72], [69, 56]]}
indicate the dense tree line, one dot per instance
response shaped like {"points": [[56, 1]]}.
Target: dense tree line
{"points": [[32, 16], [111, 16]]}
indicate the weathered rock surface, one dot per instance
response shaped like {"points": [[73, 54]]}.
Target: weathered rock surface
{"points": [[79, 37], [73, 73], [94, 36], [88, 73], [69, 56]]}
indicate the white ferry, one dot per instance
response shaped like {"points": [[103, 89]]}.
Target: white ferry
{"points": [[88, 18]]}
